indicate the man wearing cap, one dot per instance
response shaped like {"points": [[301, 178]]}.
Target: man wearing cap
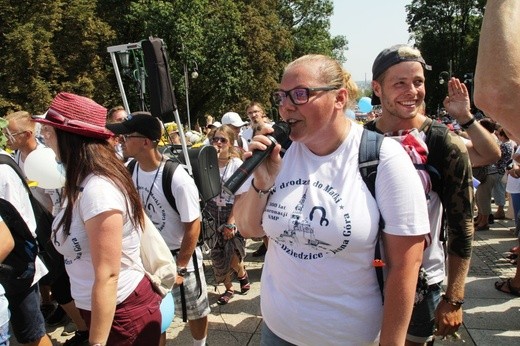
{"points": [[233, 119], [141, 133], [398, 81]]}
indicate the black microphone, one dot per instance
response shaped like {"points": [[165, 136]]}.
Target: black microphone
{"points": [[280, 135]]}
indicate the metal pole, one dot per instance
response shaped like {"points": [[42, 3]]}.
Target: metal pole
{"points": [[186, 83], [119, 82]]}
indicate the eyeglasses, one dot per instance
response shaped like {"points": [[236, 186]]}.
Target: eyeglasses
{"points": [[12, 135], [125, 137], [298, 96], [219, 140]]}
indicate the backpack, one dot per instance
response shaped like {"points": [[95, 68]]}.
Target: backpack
{"points": [[53, 259], [368, 160], [169, 168], [435, 134], [18, 268]]}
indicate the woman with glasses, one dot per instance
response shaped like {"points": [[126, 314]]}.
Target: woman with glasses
{"points": [[229, 250], [319, 285]]}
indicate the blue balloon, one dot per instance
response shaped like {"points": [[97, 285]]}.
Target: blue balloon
{"points": [[167, 311], [365, 104]]}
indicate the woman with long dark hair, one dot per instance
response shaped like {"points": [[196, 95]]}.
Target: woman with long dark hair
{"points": [[98, 228]]}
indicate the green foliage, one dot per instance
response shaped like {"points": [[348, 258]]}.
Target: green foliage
{"points": [[238, 47], [49, 46], [446, 31]]}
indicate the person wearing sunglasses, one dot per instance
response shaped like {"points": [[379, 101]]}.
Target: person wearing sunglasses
{"points": [[323, 222], [180, 226], [228, 253]]}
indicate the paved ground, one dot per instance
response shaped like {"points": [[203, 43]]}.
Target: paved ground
{"points": [[490, 317]]}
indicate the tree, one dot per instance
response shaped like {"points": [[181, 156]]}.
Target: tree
{"points": [[239, 48], [50, 46], [446, 32]]}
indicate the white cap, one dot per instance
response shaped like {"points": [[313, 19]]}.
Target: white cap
{"points": [[232, 118], [216, 124]]}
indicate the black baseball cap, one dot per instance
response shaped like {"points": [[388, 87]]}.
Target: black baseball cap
{"points": [[393, 56], [141, 122]]}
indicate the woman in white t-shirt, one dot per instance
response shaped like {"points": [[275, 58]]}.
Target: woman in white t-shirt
{"points": [[319, 285], [98, 226], [229, 250]]}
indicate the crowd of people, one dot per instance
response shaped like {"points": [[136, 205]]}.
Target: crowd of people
{"points": [[383, 259]]}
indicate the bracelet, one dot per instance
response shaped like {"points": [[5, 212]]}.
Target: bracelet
{"points": [[230, 225], [450, 301], [261, 192], [466, 125]]}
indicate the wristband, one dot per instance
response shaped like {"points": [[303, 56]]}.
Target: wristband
{"points": [[261, 192], [450, 301], [230, 226], [466, 125]]}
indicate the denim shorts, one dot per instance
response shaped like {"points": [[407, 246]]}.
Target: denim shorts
{"points": [[422, 323], [26, 317]]}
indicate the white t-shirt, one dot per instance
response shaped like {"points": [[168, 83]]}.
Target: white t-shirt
{"points": [[168, 222], [13, 190], [318, 283], [513, 184], [99, 195], [248, 133], [225, 173]]}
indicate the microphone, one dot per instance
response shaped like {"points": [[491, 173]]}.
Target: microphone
{"points": [[280, 135]]}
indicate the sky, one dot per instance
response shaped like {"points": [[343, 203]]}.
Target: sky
{"points": [[369, 26]]}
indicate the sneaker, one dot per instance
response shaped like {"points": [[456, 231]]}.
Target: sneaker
{"points": [[79, 338], [57, 318]]}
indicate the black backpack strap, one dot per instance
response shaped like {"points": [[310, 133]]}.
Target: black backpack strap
{"points": [[169, 168], [435, 139], [368, 162], [131, 166], [8, 160]]}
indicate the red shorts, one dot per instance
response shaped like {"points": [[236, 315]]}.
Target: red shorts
{"points": [[137, 320]]}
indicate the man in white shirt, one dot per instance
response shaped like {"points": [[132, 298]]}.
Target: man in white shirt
{"points": [[180, 228]]}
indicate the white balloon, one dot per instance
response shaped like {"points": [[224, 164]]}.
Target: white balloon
{"points": [[41, 166]]}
